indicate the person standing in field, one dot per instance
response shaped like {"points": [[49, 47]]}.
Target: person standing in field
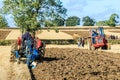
{"points": [[83, 42], [79, 42]]}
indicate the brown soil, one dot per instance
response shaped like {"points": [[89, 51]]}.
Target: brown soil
{"points": [[63, 64], [78, 64], [3, 34]]}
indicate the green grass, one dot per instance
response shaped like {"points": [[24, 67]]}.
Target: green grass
{"points": [[6, 42], [114, 41]]}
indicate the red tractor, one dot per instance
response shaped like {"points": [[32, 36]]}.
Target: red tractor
{"points": [[97, 39]]}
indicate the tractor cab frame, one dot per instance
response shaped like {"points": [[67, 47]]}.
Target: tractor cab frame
{"points": [[97, 39]]}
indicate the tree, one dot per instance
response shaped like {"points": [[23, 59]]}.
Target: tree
{"points": [[72, 21], [102, 23], [87, 21], [58, 22], [112, 21], [34, 13], [3, 22]]}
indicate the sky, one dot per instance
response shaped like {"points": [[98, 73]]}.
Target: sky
{"points": [[9, 17], [96, 9]]}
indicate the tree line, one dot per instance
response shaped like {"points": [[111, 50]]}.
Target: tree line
{"points": [[34, 14]]}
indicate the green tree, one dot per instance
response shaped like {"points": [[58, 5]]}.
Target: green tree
{"points": [[3, 22], [58, 22], [112, 20], [72, 21], [102, 23], [34, 13], [87, 21]]}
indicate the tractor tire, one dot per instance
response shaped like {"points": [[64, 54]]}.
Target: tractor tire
{"points": [[105, 47]]}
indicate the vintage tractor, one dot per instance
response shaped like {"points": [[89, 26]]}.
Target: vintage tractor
{"points": [[97, 39], [19, 54]]}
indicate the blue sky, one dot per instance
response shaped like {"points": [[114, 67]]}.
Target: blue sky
{"points": [[9, 19], [97, 9]]}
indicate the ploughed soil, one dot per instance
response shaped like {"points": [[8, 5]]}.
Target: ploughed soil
{"points": [[63, 63], [4, 34], [78, 64]]}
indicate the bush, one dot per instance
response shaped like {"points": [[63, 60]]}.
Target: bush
{"points": [[56, 30], [59, 42], [114, 41], [5, 42]]}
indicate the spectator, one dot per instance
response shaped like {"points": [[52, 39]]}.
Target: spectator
{"points": [[79, 42], [83, 42], [116, 37]]}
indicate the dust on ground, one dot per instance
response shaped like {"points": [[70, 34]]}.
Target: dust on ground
{"points": [[9, 70]]}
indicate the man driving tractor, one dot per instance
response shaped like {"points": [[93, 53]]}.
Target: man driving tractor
{"points": [[29, 48]]}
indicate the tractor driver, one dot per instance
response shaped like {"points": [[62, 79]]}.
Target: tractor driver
{"points": [[27, 45], [27, 35], [94, 34]]}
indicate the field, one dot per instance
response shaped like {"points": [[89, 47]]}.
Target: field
{"points": [[9, 70], [4, 34], [63, 62], [78, 64]]}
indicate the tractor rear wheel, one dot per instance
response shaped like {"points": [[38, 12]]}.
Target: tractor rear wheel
{"points": [[105, 47]]}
